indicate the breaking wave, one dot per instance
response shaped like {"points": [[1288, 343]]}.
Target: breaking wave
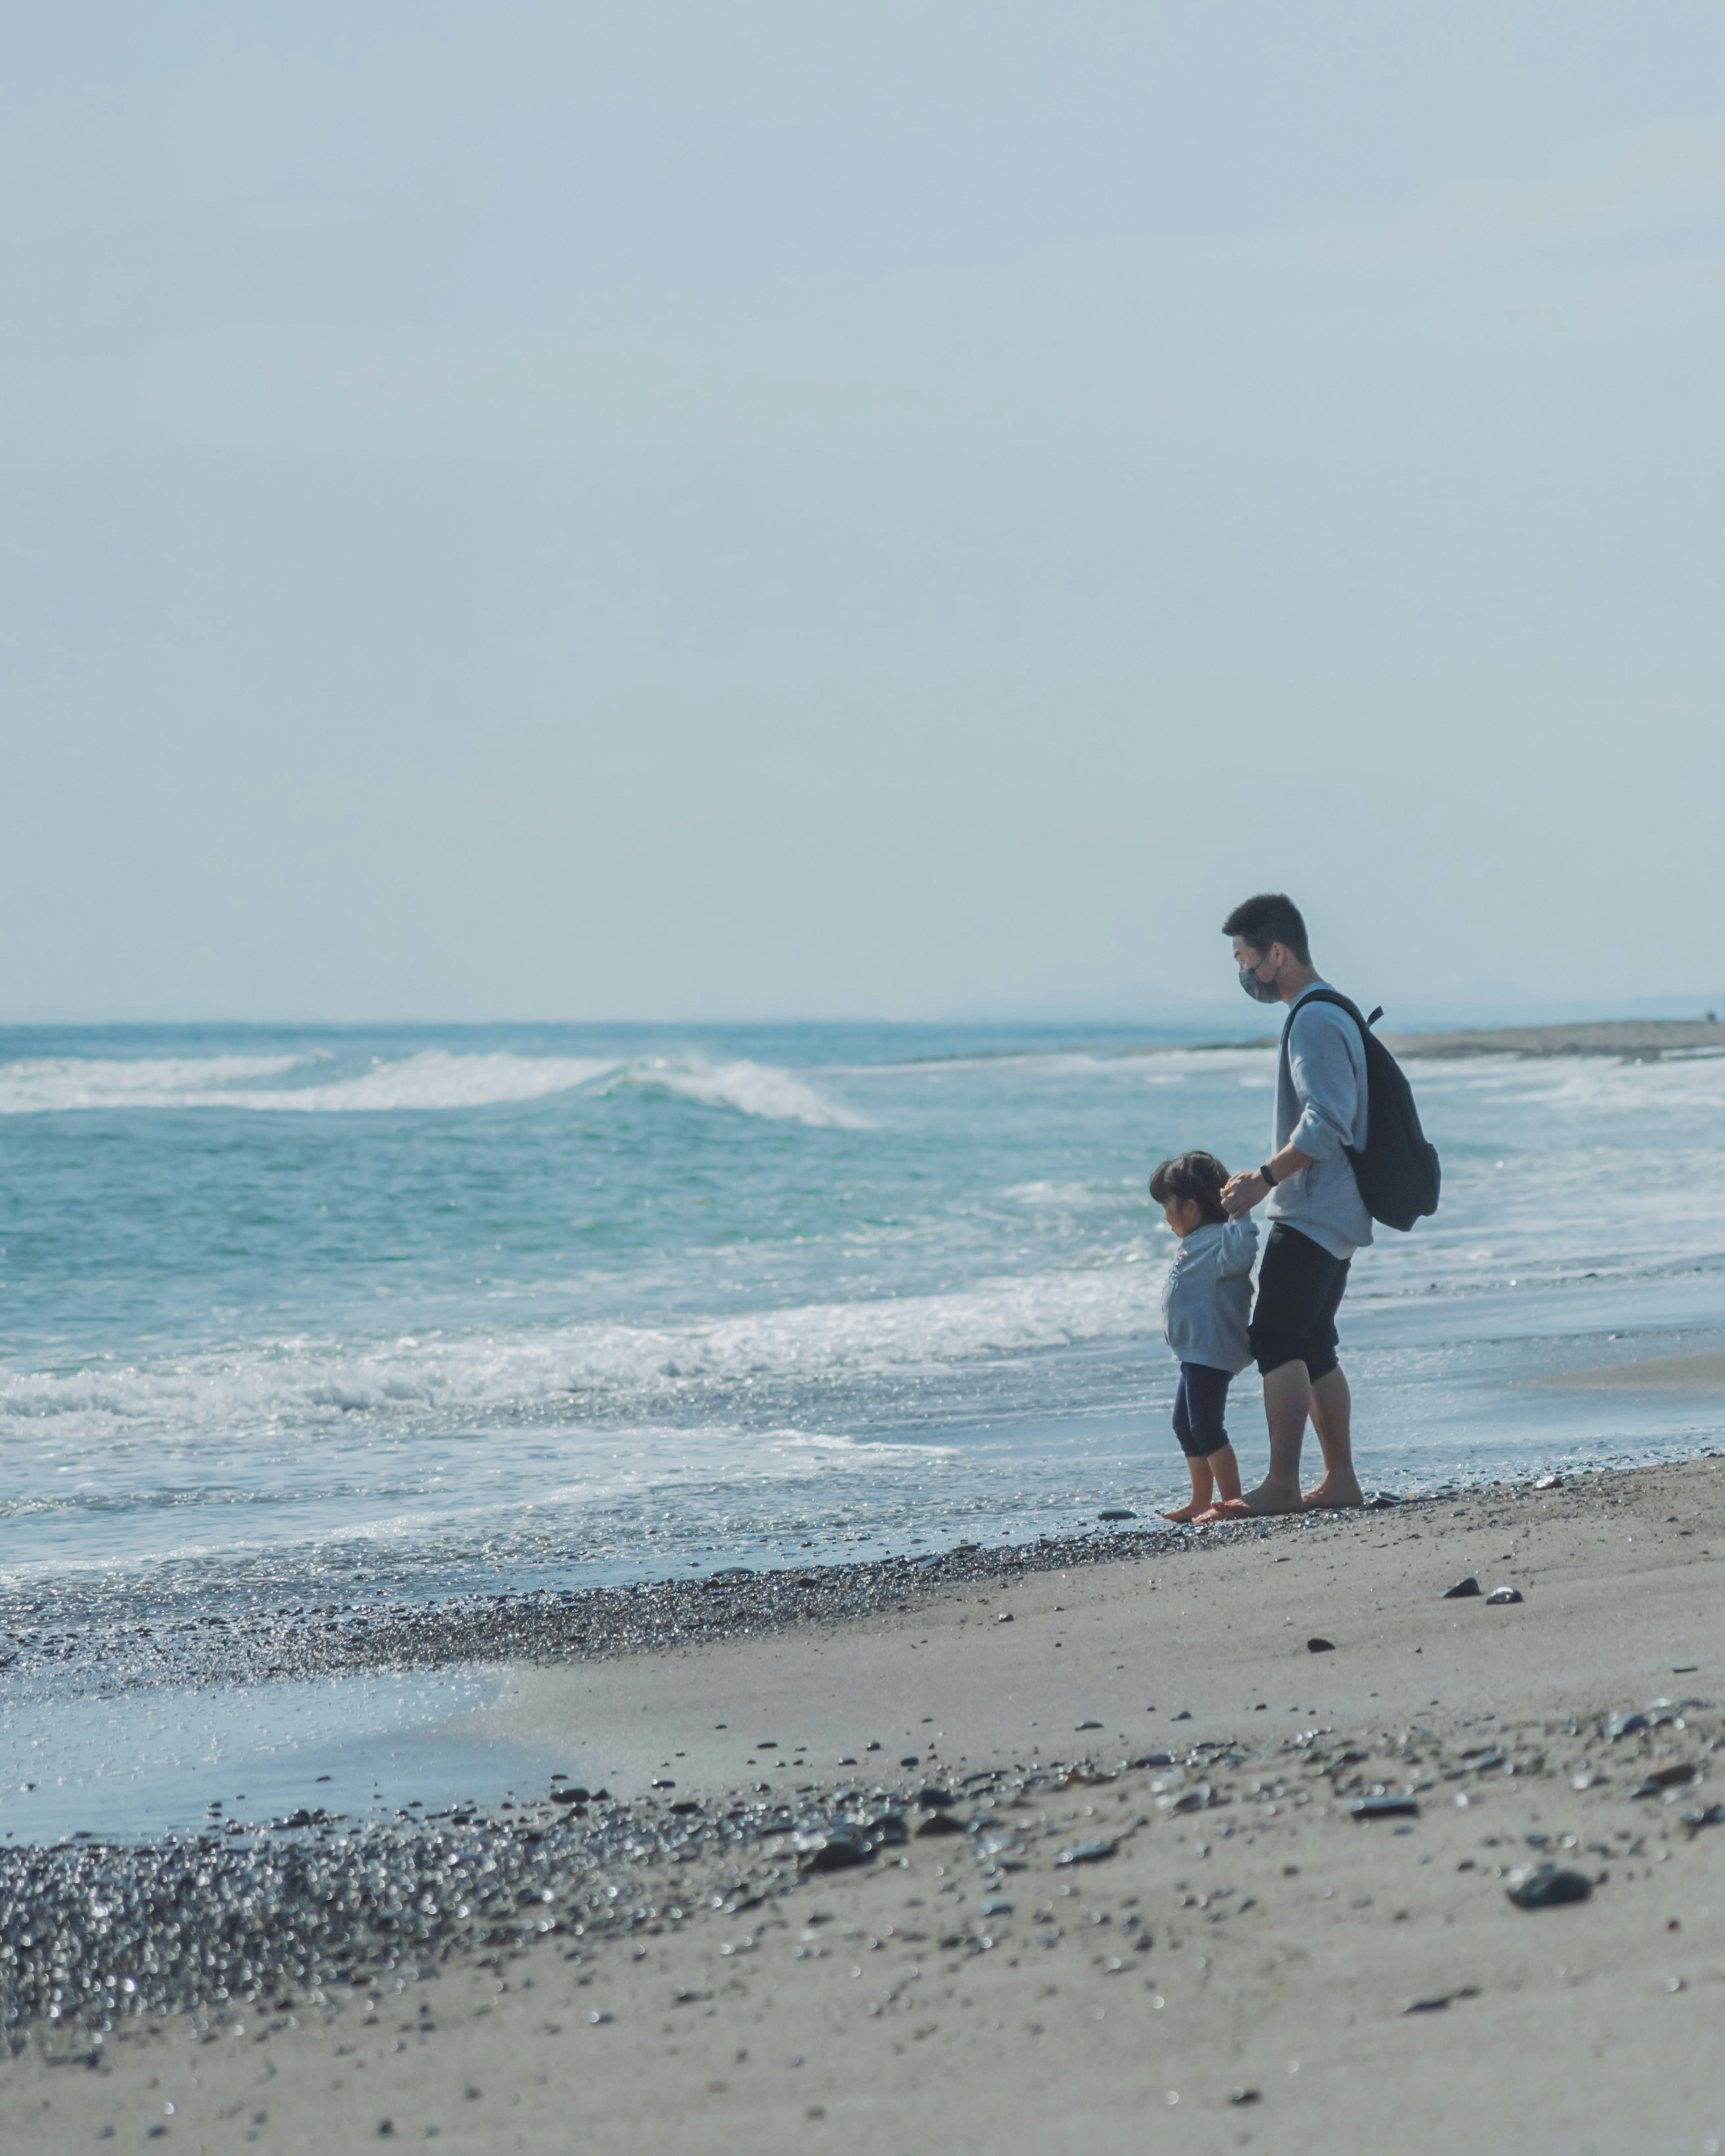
{"points": [[433, 1078]]}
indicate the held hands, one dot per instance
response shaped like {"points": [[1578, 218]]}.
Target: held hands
{"points": [[1240, 1193]]}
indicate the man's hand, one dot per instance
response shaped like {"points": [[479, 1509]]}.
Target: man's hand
{"points": [[1240, 1193]]}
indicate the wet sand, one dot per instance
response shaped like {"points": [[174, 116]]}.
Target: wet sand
{"points": [[1671, 1373], [693, 1982]]}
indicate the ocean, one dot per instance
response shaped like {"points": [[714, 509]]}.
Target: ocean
{"points": [[295, 1314]]}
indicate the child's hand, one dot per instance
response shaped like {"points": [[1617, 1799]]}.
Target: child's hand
{"points": [[1240, 1193]]}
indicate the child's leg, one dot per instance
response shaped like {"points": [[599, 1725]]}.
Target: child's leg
{"points": [[1224, 1469], [1197, 1453], [1206, 1407]]}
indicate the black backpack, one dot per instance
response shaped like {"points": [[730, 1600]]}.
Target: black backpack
{"points": [[1396, 1168]]}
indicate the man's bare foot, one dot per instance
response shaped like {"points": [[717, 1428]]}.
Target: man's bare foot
{"points": [[1267, 1498], [1333, 1494], [1193, 1509]]}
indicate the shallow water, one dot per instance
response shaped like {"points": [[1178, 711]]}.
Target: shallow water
{"points": [[294, 1312], [177, 1760]]}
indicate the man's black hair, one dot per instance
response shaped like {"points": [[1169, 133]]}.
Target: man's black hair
{"points": [[1196, 1178], [1270, 917]]}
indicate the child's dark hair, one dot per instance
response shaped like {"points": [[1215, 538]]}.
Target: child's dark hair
{"points": [[1194, 1177]]}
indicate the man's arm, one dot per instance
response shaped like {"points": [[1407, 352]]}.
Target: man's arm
{"points": [[1327, 1090], [1240, 1193]]}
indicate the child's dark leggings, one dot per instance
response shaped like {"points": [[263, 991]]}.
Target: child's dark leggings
{"points": [[1200, 1402]]}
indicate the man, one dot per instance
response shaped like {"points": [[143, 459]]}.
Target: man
{"points": [[1318, 1217]]}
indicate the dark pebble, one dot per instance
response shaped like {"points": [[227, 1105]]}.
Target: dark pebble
{"points": [[836, 1852], [1321, 1646], [933, 1799], [576, 1795], [1621, 1725], [1245, 2095], [1087, 1852], [1666, 1777], [1503, 1595], [909, 1760], [1377, 1808], [1117, 1515], [1089, 1725], [1545, 1886], [941, 1822], [1462, 1589]]}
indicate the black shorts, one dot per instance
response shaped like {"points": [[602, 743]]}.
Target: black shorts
{"points": [[1200, 1402], [1300, 1289]]}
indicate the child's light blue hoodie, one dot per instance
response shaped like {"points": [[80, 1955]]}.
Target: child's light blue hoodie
{"points": [[1208, 1293]]}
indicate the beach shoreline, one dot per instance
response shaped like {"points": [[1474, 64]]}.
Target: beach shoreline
{"points": [[1124, 1685]]}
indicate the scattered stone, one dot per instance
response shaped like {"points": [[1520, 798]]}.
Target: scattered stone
{"points": [[1545, 1886], [941, 1822], [834, 1852], [1434, 2002], [1661, 1778], [1245, 2095], [1546, 1482], [577, 1795], [1004, 1618], [1087, 1852], [1321, 1646], [1088, 1725], [933, 1799], [664, 1784], [1116, 1514], [1380, 1501], [1385, 1807], [1621, 1725], [1462, 1589], [1503, 1595]]}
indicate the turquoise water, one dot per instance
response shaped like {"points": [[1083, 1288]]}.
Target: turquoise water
{"points": [[298, 1312]]}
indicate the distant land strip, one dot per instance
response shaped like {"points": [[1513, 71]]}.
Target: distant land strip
{"points": [[1631, 1039]]}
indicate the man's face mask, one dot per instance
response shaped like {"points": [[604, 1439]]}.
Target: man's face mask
{"points": [[1262, 992]]}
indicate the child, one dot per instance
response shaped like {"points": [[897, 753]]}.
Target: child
{"points": [[1203, 1315]]}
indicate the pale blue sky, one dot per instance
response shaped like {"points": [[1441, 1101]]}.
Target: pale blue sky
{"points": [[670, 511]]}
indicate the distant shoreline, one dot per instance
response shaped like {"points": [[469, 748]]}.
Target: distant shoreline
{"points": [[1631, 1039]]}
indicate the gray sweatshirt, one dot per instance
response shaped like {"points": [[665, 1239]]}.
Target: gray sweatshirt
{"points": [[1321, 1101], [1205, 1296]]}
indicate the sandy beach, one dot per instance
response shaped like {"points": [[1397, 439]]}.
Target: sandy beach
{"points": [[1129, 1893]]}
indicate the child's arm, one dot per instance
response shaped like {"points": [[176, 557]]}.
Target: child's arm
{"points": [[1239, 1246]]}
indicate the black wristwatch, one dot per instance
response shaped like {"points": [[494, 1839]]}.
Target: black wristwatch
{"points": [[1267, 1176]]}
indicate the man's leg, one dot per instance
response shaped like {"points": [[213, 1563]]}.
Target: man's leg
{"points": [[1287, 1402], [1331, 1413]]}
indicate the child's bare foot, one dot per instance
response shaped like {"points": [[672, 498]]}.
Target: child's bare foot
{"points": [[1192, 1510]]}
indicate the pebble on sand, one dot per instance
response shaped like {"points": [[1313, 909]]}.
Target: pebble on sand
{"points": [[1503, 1595], [1316, 1647], [1462, 1589], [1545, 1886]]}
